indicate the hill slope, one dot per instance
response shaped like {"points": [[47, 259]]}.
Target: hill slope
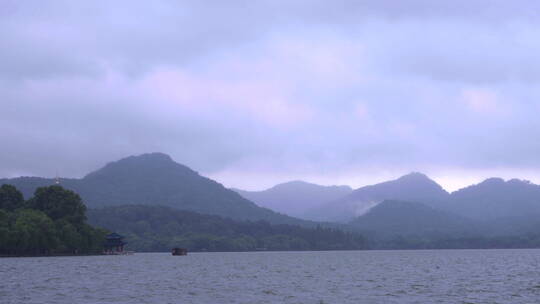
{"points": [[495, 198], [295, 198], [155, 179], [391, 218]]}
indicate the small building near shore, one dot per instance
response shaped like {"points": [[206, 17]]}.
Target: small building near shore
{"points": [[114, 244]]}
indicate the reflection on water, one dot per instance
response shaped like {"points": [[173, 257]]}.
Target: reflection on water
{"points": [[442, 276]]}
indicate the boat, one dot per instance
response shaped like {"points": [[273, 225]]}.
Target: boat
{"points": [[179, 251]]}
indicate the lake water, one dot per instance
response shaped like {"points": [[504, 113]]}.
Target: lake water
{"points": [[439, 276]]}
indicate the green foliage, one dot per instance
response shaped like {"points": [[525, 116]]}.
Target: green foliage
{"points": [[59, 204], [35, 232], [10, 198], [52, 222], [155, 228], [5, 232]]}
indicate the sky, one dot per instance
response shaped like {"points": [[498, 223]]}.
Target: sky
{"points": [[254, 93]]}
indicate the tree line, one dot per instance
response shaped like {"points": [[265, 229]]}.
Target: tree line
{"points": [[158, 228], [52, 222]]}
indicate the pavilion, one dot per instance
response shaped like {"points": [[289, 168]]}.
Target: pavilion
{"points": [[114, 244]]}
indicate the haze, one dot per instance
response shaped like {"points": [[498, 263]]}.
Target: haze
{"points": [[252, 93]]}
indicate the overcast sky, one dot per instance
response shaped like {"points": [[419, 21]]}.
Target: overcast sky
{"points": [[252, 93]]}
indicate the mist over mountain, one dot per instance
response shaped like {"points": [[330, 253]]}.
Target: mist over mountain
{"points": [[403, 218], [295, 198], [155, 179], [414, 187], [492, 208]]}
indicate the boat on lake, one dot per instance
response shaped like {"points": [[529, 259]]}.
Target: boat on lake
{"points": [[179, 251]]}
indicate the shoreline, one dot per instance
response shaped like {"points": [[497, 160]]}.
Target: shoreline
{"points": [[48, 255]]}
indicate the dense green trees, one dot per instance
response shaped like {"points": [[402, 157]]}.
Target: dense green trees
{"points": [[10, 198], [52, 222], [59, 204]]}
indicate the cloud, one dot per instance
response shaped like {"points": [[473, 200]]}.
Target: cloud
{"points": [[257, 92], [482, 101]]}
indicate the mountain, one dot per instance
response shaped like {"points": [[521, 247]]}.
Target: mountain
{"points": [[295, 198], [496, 198], [155, 179], [400, 218], [415, 187]]}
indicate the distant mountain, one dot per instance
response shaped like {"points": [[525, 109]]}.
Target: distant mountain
{"points": [[400, 218], [155, 179], [495, 198], [295, 198], [492, 208], [409, 225], [415, 187]]}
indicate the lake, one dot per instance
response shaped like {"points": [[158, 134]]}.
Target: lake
{"points": [[423, 276]]}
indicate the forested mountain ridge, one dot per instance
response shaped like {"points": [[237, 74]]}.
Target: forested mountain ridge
{"points": [[155, 179], [159, 228], [409, 225], [295, 198]]}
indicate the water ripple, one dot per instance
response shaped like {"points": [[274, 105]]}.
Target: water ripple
{"points": [[442, 276]]}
